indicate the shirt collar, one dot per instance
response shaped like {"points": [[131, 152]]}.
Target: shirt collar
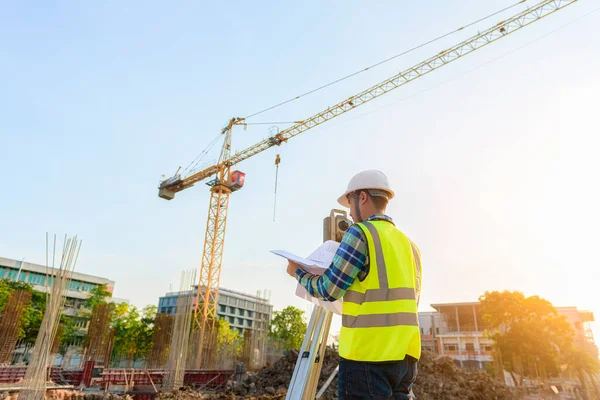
{"points": [[380, 217]]}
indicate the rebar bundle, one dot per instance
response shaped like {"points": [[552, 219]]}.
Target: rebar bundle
{"points": [[11, 321], [37, 372], [181, 334], [161, 337]]}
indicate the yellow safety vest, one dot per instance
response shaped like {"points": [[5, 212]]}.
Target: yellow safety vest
{"points": [[379, 314]]}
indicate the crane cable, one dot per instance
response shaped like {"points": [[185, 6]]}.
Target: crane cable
{"points": [[465, 73], [189, 169], [383, 61], [201, 156]]}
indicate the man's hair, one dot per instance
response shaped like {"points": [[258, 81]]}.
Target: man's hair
{"points": [[380, 202]]}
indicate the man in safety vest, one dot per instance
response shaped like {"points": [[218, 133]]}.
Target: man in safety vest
{"points": [[377, 272]]}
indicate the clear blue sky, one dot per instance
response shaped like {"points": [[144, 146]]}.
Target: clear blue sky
{"points": [[494, 158]]}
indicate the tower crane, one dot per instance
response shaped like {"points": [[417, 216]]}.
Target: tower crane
{"points": [[225, 181]]}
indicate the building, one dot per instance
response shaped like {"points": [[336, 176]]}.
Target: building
{"points": [[78, 290], [242, 311], [457, 330], [580, 320]]}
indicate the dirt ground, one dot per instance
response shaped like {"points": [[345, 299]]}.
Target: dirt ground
{"points": [[438, 379]]}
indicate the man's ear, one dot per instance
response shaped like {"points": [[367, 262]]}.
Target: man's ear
{"points": [[363, 197]]}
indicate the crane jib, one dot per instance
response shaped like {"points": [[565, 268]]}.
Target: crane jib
{"points": [[494, 33]]}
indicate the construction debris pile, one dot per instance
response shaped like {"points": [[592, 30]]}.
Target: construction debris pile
{"points": [[438, 379], [275, 379]]}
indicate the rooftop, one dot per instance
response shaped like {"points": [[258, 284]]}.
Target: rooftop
{"points": [[468, 303], [27, 266], [221, 291]]}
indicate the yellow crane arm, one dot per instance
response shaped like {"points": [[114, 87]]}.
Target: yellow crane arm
{"points": [[445, 57]]}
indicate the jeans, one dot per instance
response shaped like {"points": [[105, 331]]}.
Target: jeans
{"points": [[389, 380]]}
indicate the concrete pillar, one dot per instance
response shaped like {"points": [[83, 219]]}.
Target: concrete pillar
{"points": [[457, 320], [478, 349], [475, 319], [459, 351], [442, 345]]}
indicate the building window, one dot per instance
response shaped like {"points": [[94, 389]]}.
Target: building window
{"points": [[469, 346], [240, 321], [2, 269], [450, 347], [232, 310], [240, 311], [250, 314], [222, 308], [249, 322], [12, 274], [487, 347], [74, 285], [36, 279]]}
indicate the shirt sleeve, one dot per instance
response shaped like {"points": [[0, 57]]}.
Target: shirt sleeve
{"points": [[349, 260]]}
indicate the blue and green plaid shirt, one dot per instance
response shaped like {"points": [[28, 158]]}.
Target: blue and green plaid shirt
{"points": [[351, 261]]}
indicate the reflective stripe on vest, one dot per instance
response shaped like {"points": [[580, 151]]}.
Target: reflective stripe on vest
{"points": [[374, 309]]}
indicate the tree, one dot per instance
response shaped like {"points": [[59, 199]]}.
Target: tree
{"points": [[288, 327], [32, 319], [71, 333], [7, 286], [528, 332], [583, 363], [229, 341], [98, 296], [133, 331], [225, 335]]}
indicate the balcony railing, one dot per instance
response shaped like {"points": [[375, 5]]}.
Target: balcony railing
{"points": [[467, 353]]}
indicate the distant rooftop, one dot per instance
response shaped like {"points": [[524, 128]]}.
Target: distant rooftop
{"points": [[41, 269], [221, 291], [437, 306]]}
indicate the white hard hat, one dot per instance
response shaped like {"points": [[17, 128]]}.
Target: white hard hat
{"points": [[372, 179]]}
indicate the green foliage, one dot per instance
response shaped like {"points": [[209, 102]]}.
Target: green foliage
{"points": [[99, 295], [288, 327], [226, 335], [228, 339], [71, 332], [133, 331], [32, 318], [582, 362], [7, 286], [527, 330]]}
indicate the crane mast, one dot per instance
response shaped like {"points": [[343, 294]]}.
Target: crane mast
{"points": [[225, 182]]}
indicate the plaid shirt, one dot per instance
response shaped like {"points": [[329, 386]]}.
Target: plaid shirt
{"points": [[350, 261]]}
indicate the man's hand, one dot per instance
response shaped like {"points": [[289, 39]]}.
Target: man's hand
{"points": [[292, 267]]}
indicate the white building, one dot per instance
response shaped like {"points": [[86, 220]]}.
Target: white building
{"points": [[242, 311]]}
